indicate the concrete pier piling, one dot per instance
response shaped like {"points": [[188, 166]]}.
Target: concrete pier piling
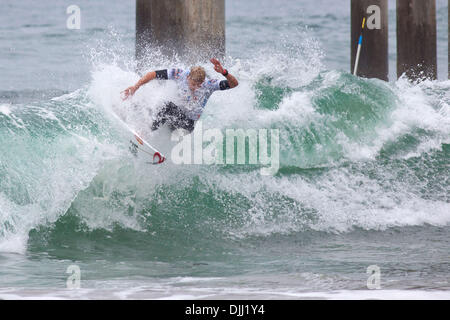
{"points": [[191, 29], [373, 60], [416, 39]]}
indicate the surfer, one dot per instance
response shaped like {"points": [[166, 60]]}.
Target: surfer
{"points": [[194, 88]]}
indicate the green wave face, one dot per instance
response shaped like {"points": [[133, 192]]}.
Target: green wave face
{"points": [[354, 153]]}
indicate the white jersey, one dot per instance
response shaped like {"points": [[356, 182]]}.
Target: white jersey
{"points": [[193, 103]]}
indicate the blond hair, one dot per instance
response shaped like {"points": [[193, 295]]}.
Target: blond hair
{"points": [[197, 74]]}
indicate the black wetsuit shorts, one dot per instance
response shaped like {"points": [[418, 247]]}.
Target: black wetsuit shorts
{"points": [[174, 117]]}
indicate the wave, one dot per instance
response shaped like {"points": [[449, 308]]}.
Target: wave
{"points": [[354, 153]]}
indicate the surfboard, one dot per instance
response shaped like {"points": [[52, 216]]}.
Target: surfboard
{"points": [[140, 147]]}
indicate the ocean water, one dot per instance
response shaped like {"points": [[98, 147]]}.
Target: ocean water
{"points": [[363, 178]]}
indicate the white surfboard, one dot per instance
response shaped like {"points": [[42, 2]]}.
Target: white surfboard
{"points": [[141, 148]]}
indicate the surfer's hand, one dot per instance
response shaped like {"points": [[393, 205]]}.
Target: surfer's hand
{"points": [[128, 92], [217, 66]]}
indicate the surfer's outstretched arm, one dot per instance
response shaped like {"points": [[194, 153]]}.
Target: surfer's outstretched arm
{"points": [[131, 90], [232, 81]]}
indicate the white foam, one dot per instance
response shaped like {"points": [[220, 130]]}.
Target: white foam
{"points": [[5, 109], [165, 292], [340, 201]]}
